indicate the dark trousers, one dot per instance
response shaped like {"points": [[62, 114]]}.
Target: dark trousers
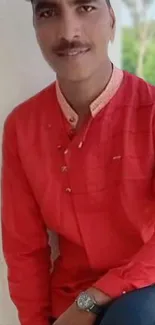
{"points": [[135, 308]]}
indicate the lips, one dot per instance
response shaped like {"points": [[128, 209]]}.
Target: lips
{"points": [[72, 52]]}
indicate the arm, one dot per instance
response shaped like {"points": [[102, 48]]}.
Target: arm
{"points": [[25, 240], [139, 273]]}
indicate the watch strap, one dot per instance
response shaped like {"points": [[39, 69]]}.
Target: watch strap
{"points": [[96, 309]]}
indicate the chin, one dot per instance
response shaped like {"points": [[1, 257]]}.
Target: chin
{"points": [[74, 76], [73, 70]]}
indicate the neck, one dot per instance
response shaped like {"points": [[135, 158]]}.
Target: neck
{"points": [[81, 94]]}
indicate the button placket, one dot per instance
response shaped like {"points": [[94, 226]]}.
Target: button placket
{"points": [[64, 169], [63, 152]]}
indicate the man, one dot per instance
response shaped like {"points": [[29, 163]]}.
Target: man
{"points": [[78, 159]]}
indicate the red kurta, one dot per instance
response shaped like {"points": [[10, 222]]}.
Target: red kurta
{"points": [[97, 192]]}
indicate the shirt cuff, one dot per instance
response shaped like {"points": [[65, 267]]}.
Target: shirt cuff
{"points": [[112, 285]]}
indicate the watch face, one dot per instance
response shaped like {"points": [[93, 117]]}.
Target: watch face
{"points": [[84, 301]]}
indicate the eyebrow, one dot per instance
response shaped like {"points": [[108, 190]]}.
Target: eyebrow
{"points": [[82, 2], [39, 5]]}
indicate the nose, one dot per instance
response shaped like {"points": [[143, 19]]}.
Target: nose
{"points": [[69, 28]]}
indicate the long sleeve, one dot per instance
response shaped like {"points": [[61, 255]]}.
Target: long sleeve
{"points": [[24, 235], [140, 272]]}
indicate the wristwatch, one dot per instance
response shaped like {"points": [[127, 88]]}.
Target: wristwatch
{"points": [[85, 302]]}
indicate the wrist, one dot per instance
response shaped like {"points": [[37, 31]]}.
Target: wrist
{"points": [[100, 297], [86, 314]]}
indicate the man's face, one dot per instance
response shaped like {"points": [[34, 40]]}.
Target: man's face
{"points": [[74, 35]]}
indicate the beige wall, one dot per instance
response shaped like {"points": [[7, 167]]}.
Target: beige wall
{"points": [[22, 73]]}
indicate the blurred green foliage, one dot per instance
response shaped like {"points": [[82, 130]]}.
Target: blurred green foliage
{"points": [[130, 52]]}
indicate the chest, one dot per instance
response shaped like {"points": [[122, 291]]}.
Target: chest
{"points": [[118, 149]]}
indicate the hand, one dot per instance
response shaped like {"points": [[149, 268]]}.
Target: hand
{"points": [[74, 316]]}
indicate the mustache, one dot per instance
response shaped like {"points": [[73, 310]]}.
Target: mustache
{"points": [[65, 45]]}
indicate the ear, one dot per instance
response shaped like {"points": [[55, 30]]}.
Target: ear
{"points": [[113, 24]]}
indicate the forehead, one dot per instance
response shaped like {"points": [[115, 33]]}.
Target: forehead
{"points": [[69, 2]]}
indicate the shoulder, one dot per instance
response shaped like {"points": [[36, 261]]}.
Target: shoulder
{"points": [[139, 91], [32, 109]]}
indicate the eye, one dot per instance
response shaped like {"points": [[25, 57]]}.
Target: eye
{"points": [[86, 9], [46, 13]]}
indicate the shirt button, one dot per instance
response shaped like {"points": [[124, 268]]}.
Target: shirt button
{"points": [[66, 152], [124, 292], [80, 145], [59, 146], [68, 190], [72, 120], [64, 169]]}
